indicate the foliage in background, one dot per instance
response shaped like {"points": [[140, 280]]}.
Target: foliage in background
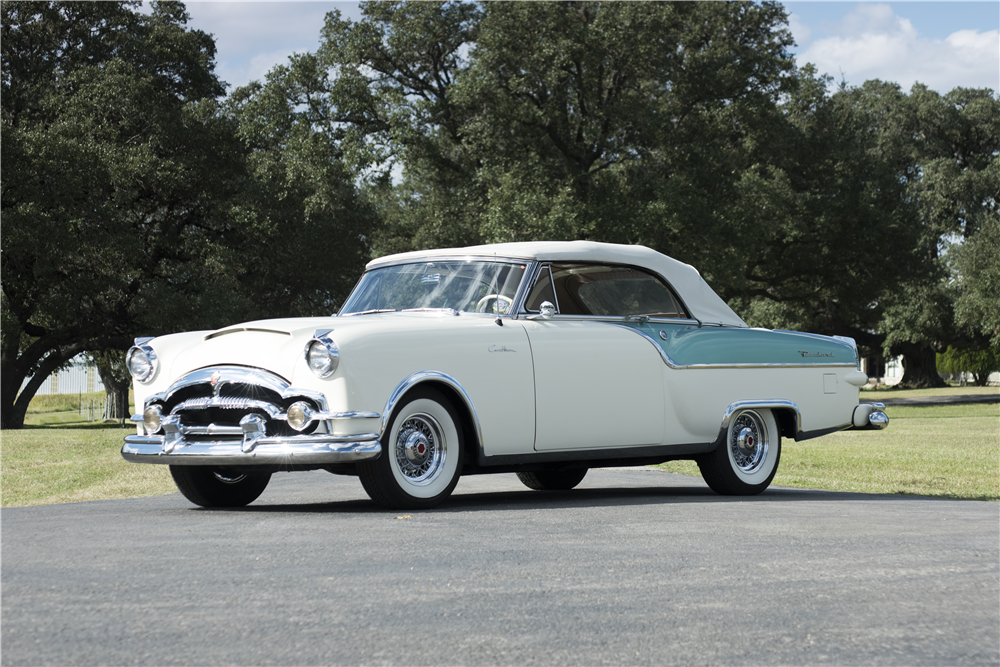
{"points": [[132, 203], [978, 363], [137, 201], [681, 126]]}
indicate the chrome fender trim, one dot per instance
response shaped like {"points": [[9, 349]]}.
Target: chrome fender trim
{"points": [[428, 376], [769, 404]]}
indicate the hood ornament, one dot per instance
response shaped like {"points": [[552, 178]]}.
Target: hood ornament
{"points": [[216, 383]]}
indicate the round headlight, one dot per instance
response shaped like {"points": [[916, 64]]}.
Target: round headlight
{"points": [[141, 362], [322, 356], [151, 419], [299, 416]]}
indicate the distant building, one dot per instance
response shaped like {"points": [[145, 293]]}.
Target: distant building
{"points": [[79, 378]]}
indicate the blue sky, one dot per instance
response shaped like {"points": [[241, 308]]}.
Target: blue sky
{"points": [[940, 44]]}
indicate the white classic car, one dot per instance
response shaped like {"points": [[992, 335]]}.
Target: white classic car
{"points": [[540, 359]]}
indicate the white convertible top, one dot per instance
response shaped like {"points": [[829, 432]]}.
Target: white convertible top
{"points": [[703, 303]]}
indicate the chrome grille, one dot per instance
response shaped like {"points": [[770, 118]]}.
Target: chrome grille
{"points": [[227, 403], [211, 402]]}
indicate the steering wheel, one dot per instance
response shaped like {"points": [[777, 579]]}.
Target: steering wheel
{"points": [[505, 303]]}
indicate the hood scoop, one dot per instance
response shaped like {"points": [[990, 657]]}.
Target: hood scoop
{"points": [[224, 332]]}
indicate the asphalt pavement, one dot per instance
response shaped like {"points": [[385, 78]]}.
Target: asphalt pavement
{"points": [[636, 567]]}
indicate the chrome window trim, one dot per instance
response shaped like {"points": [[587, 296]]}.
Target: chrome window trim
{"points": [[542, 264], [451, 258]]}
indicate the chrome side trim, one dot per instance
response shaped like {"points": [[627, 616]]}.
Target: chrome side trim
{"points": [[676, 366], [353, 414], [779, 403], [300, 449], [419, 378]]}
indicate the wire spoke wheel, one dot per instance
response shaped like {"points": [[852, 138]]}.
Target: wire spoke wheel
{"points": [[748, 442], [419, 454], [747, 461], [421, 457]]}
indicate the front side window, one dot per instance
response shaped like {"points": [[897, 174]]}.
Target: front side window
{"points": [[604, 290], [464, 286]]}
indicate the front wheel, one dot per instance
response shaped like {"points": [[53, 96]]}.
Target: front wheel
{"points": [[421, 454], [216, 487], [746, 462]]}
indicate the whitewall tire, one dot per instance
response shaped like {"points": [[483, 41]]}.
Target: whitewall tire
{"points": [[421, 458], [746, 462]]}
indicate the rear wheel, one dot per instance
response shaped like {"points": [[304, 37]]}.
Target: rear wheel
{"points": [[421, 454], [746, 462], [216, 487], [552, 480]]}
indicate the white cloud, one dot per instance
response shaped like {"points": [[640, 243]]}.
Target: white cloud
{"points": [[253, 37], [872, 42], [800, 32]]}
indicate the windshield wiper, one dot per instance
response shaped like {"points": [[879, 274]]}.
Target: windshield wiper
{"points": [[374, 311], [450, 311]]}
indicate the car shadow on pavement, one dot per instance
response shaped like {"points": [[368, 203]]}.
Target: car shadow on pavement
{"points": [[577, 498]]}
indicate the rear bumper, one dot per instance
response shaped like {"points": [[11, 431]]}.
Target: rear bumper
{"points": [[299, 449], [870, 416]]}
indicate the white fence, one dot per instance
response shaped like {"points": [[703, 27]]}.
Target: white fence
{"points": [[80, 378]]}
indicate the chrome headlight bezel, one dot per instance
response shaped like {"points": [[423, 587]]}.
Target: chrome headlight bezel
{"points": [[141, 360], [321, 354]]}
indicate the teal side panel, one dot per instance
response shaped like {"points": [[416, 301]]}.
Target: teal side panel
{"points": [[687, 345]]}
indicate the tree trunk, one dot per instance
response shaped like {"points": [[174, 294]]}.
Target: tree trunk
{"points": [[14, 403], [919, 367], [114, 374]]}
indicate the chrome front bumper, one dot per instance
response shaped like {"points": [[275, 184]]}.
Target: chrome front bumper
{"points": [[298, 449]]}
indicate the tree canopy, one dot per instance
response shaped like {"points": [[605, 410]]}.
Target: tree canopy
{"points": [[133, 204], [139, 198]]}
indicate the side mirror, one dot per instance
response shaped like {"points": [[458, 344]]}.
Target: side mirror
{"points": [[546, 310]]}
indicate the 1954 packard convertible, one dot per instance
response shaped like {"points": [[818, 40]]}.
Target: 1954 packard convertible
{"points": [[540, 359]]}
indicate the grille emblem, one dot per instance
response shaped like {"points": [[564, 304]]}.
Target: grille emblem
{"points": [[216, 385]]}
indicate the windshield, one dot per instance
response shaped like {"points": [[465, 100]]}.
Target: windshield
{"points": [[463, 286]]}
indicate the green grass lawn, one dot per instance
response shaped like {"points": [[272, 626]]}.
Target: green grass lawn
{"points": [[948, 450], [61, 457], [889, 392]]}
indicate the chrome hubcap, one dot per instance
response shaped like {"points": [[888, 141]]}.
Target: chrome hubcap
{"points": [[420, 450], [748, 442], [229, 478]]}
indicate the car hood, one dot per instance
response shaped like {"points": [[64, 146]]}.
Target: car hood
{"points": [[276, 345]]}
